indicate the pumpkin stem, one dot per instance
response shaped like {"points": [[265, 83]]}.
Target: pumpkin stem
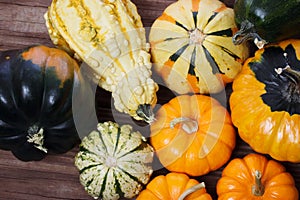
{"points": [[36, 136], [258, 189], [247, 32], [145, 112], [294, 87], [188, 125], [196, 36], [111, 161], [191, 190]]}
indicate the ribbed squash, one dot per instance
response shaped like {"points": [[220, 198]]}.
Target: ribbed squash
{"points": [[265, 102], [114, 162], [110, 38], [174, 186], [257, 178], [36, 91], [192, 135], [192, 48]]}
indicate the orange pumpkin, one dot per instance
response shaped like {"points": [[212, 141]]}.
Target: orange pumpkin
{"points": [[174, 186], [192, 134], [257, 178]]}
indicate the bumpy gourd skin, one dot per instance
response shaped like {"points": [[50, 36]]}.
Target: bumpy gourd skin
{"points": [[110, 38], [36, 88]]}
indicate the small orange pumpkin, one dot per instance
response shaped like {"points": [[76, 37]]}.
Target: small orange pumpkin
{"points": [[257, 178], [174, 186], [193, 135]]}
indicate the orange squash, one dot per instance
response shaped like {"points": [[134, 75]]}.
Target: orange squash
{"points": [[265, 102], [174, 186], [257, 178], [192, 134]]}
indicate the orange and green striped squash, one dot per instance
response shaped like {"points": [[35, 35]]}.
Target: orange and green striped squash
{"points": [[192, 48]]}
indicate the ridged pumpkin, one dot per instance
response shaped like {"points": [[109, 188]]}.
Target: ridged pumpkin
{"points": [[192, 48], [265, 102], [174, 186], [36, 90], [257, 178], [114, 162], [109, 37], [192, 135]]}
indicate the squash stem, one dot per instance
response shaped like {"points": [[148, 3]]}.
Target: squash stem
{"points": [[196, 37], [294, 77], [247, 32], [191, 190], [258, 189], [36, 136], [145, 112], [188, 125]]}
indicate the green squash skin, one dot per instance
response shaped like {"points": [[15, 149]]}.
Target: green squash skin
{"points": [[273, 20], [33, 95]]}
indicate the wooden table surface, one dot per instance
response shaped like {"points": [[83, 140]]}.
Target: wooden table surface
{"points": [[22, 24]]}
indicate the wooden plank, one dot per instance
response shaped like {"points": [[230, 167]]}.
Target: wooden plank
{"points": [[31, 3], [20, 41], [150, 10], [22, 25], [55, 177], [21, 13]]}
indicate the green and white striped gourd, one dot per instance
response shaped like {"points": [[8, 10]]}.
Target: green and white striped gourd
{"points": [[114, 162]]}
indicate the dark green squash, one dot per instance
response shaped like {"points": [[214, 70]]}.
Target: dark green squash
{"points": [[266, 21], [36, 86]]}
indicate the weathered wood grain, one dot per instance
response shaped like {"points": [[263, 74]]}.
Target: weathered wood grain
{"points": [[53, 178], [22, 24]]}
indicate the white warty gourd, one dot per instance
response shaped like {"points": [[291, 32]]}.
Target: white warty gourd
{"points": [[108, 35]]}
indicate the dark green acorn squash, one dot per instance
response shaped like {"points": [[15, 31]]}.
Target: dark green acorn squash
{"points": [[36, 86], [266, 21]]}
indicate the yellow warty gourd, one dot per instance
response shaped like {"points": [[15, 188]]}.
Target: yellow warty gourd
{"points": [[109, 36]]}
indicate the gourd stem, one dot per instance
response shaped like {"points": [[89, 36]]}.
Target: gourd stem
{"points": [[247, 32], [188, 125], [196, 36], [294, 77], [145, 112], [258, 189], [191, 190], [36, 136]]}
